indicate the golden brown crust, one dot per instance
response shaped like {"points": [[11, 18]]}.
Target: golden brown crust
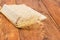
{"points": [[29, 24]]}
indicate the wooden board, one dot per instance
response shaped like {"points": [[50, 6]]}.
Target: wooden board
{"points": [[51, 27]]}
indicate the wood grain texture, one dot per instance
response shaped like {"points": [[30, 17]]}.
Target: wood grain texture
{"points": [[49, 31], [54, 10]]}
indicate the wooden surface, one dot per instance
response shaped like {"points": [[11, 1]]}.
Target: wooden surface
{"points": [[51, 27]]}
